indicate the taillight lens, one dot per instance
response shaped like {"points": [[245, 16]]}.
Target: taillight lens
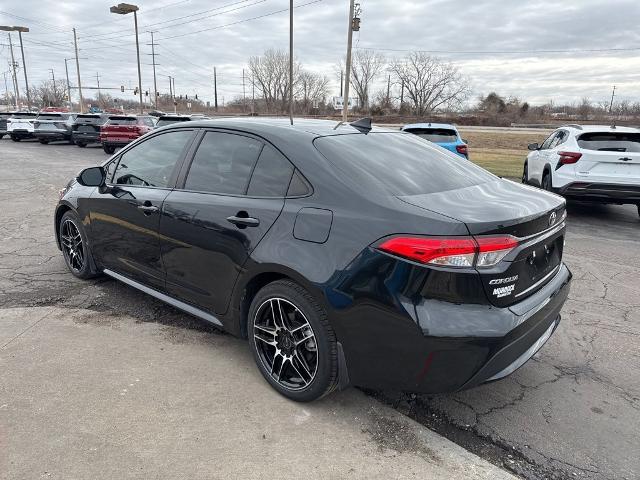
{"points": [[452, 251], [462, 149], [568, 157]]}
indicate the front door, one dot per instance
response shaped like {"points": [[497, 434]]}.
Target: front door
{"points": [[124, 216], [233, 192]]}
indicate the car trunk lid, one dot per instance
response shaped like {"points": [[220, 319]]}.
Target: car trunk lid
{"points": [[504, 208]]}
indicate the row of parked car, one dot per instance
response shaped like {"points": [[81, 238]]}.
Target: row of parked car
{"points": [[81, 129]]}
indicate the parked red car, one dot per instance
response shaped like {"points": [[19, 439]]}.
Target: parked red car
{"points": [[120, 130]]}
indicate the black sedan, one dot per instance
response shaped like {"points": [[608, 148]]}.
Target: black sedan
{"points": [[345, 254]]}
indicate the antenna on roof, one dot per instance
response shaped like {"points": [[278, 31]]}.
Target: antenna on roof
{"points": [[363, 125]]}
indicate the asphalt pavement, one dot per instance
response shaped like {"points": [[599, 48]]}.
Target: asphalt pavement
{"points": [[96, 377]]}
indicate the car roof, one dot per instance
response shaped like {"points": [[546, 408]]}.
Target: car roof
{"points": [[266, 126], [430, 125], [578, 129]]}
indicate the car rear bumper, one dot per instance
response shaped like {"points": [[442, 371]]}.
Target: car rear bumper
{"points": [[85, 137], [52, 135], [602, 192], [21, 133], [455, 347]]}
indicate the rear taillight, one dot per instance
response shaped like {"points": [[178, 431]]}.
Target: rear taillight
{"points": [[568, 157], [451, 251], [462, 149]]}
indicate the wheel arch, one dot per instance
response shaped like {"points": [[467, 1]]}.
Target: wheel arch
{"points": [[250, 284], [60, 211]]}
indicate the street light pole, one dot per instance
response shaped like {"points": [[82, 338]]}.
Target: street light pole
{"points": [[24, 67], [291, 61], [66, 71], [123, 9]]}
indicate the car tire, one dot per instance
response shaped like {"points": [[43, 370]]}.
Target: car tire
{"points": [[43, 141], [525, 174], [292, 342], [638, 206], [546, 181], [74, 245], [1, 136], [81, 145], [14, 138], [109, 149]]}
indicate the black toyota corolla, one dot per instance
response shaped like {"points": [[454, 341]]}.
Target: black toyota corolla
{"points": [[346, 255]]}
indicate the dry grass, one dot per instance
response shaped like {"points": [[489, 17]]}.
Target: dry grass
{"points": [[502, 153]]}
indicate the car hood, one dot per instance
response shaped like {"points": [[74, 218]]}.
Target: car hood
{"points": [[498, 206]]}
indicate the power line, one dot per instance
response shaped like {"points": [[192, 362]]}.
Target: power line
{"points": [[240, 21], [500, 52]]}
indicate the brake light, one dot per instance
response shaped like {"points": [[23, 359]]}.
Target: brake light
{"points": [[452, 251], [463, 149], [568, 157]]}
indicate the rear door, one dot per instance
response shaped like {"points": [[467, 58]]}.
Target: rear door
{"points": [[230, 195], [609, 157], [125, 216]]}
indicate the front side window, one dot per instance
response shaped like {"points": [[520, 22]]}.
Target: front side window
{"points": [[223, 164], [151, 163]]}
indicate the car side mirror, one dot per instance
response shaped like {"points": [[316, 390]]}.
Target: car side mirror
{"points": [[465, 141], [92, 177], [533, 146]]}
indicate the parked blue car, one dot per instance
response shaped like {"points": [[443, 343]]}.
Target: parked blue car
{"points": [[442, 134]]}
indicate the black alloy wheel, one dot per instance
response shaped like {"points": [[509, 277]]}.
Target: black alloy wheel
{"points": [[292, 341], [81, 145], [75, 249]]}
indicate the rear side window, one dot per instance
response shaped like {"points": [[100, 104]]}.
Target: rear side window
{"points": [[610, 142], [223, 164], [146, 121], [402, 164], [272, 174], [436, 135]]}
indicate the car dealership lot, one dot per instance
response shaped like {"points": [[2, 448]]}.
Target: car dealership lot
{"points": [[572, 410]]}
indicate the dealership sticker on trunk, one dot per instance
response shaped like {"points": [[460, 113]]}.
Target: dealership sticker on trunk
{"points": [[506, 290]]}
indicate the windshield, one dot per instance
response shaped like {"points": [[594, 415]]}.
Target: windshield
{"points": [[610, 142], [24, 115], [436, 135], [168, 121], [402, 164]]}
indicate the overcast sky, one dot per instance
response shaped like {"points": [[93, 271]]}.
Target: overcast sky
{"points": [[538, 50]]}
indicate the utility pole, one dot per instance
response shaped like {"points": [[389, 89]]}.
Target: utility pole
{"points": [[175, 107], [99, 94], [6, 91], [75, 43], [253, 95], [66, 71], [244, 96], [53, 78], [402, 94], [613, 94], [15, 75], [215, 90], [341, 81], [153, 62], [345, 98], [389, 90], [291, 61]]}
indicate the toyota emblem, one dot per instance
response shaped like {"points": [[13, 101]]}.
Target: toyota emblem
{"points": [[552, 218]]}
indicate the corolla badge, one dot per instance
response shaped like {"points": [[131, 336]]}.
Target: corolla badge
{"points": [[504, 290], [552, 218]]}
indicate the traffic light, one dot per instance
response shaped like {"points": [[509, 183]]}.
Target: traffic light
{"points": [[196, 96], [180, 97], [122, 88], [146, 93], [186, 97], [135, 91]]}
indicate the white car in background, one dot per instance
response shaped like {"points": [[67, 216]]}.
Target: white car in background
{"points": [[21, 125], [588, 162]]}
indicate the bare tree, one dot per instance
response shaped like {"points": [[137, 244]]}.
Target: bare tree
{"points": [[430, 83], [48, 94], [312, 87], [366, 65], [271, 77]]}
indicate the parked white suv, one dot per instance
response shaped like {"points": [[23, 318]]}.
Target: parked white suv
{"points": [[588, 162], [20, 125]]}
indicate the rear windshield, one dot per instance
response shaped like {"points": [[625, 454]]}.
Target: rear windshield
{"points": [[90, 119], [402, 164], [24, 115], [122, 121], [436, 135], [148, 121], [53, 116], [610, 142]]}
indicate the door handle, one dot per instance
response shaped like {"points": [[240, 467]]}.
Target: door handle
{"points": [[243, 222], [147, 208]]}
